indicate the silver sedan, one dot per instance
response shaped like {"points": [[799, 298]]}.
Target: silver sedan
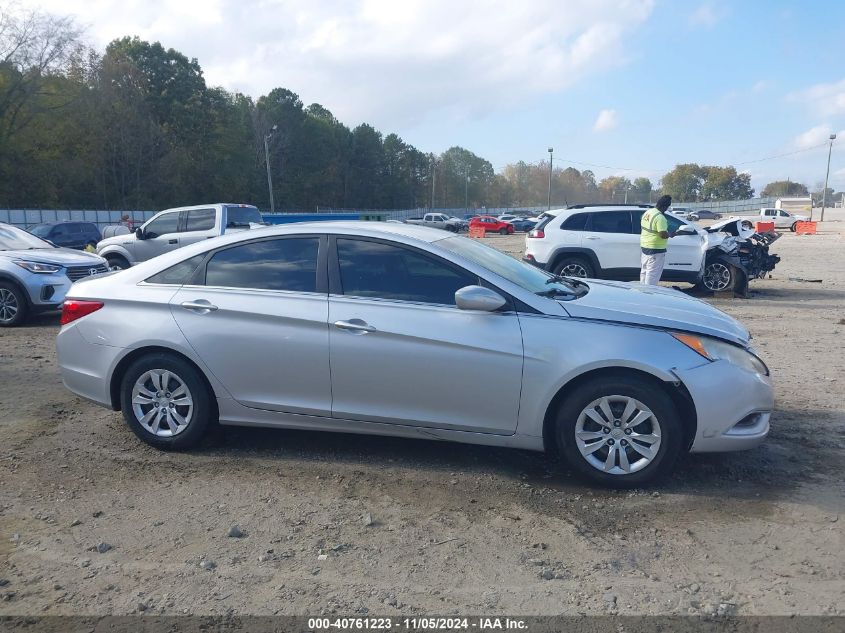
{"points": [[393, 329]]}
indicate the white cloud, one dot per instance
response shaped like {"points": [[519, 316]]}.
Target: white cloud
{"points": [[606, 120], [707, 15], [387, 62], [825, 99], [761, 86], [816, 136]]}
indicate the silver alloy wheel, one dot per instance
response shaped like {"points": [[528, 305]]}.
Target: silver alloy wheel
{"points": [[8, 305], [717, 276], [618, 435], [162, 402], [573, 269]]}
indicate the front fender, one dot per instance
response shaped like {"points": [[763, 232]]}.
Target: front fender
{"points": [[558, 350], [115, 249]]}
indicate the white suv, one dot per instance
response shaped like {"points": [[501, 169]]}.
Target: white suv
{"points": [[603, 241]]}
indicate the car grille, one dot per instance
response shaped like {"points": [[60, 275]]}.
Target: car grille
{"points": [[75, 273]]}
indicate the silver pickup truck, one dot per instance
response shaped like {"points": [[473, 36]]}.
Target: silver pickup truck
{"points": [[439, 221], [173, 228]]}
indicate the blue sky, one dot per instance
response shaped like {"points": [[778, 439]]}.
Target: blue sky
{"points": [[635, 84], [725, 88]]}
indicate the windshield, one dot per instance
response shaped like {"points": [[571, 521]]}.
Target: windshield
{"points": [[15, 239], [42, 230], [242, 216], [523, 275]]}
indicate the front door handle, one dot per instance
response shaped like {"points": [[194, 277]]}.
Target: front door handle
{"points": [[592, 237], [173, 241], [354, 325], [202, 306]]}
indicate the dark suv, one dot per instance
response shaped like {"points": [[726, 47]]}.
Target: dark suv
{"points": [[69, 234]]}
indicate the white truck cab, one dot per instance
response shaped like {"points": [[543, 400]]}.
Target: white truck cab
{"points": [[173, 228], [782, 218]]}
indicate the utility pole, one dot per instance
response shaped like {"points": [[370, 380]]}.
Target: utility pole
{"points": [[551, 157], [466, 194], [827, 175], [433, 173], [267, 162]]}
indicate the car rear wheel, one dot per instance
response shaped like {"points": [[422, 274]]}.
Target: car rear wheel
{"points": [[719, 276], [13, 306], [620, 431], [165, 402], [574, 267], [117, 262]]}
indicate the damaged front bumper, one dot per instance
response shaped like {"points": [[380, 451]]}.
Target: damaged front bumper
{"points": [[733, 406]]}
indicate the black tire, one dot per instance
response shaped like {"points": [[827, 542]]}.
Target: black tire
{"points": [[503, 231], [117, 262], [13, 305], [793, 227], [651, 395], [719, 275], [574, 266], [201, 417]]}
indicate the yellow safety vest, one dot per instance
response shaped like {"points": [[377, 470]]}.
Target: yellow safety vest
{"points": [[651, 225]]}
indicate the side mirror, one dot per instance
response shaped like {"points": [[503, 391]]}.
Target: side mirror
{"points": [[139, 233], [479, 298], [686, 229]]}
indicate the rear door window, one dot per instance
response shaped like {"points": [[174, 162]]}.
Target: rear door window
{"points": [[200, 220], [280, 264], [611, 222]]}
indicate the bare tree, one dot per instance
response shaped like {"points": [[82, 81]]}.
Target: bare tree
{"points": [[34, 48]]}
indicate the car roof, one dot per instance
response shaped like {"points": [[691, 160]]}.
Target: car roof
{"points": [[371, 229]]}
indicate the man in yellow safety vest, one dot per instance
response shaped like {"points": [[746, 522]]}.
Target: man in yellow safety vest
{"points": [[654, 237]]}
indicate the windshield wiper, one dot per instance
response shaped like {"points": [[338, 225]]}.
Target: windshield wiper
{"points": [[569, 281]]}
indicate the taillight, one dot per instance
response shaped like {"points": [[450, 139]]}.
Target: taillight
{"points": [[536, 233], [73, 309]]}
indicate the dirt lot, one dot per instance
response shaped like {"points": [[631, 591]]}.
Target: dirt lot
{"points": [[424, 527]]}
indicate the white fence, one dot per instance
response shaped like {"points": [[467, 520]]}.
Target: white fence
{"points": [[25, 218]]}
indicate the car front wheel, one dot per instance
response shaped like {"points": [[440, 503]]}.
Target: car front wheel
{"points": [[13, 305], [719, 276], [166, 402], [117, 262], [620, 431]]}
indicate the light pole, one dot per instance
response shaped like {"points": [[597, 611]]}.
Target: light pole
{"points": [[433, 174], [827, 175], [267, 162], [551, 157], [466, 194]]}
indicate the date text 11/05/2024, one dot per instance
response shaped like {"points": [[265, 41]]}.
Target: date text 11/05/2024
{"points": [[417, 624]]}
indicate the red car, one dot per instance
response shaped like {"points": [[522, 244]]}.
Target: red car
{"points": [[492, 225]]}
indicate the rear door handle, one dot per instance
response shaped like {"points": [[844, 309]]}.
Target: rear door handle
{"points": [[173, 241], [200, 306], [592, 237], [354, 325]]}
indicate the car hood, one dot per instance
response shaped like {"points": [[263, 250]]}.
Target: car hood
{"points": [[58, 256], [654, 306]]}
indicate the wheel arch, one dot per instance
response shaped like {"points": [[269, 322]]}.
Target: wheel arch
{"points": [[116, 250], [5, 277], [586, 253], [677, 392], [124, 363]]}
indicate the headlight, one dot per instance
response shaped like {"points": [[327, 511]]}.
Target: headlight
{"points": [[38, 267], [714, 349]]}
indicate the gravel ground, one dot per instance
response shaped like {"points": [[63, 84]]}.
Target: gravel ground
{"points": [[265, 522]]}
